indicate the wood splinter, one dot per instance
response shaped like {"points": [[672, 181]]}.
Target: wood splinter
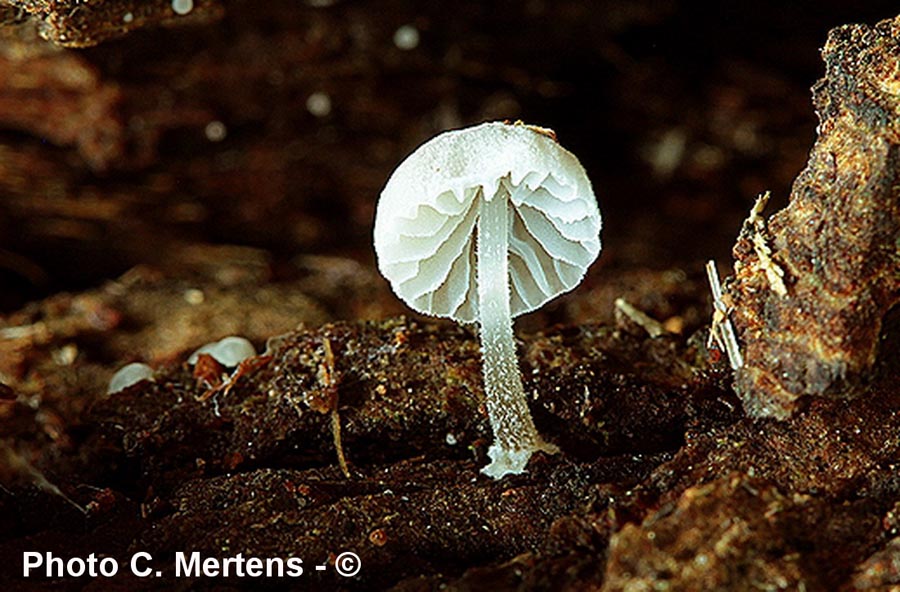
{"points": [[327, 377], [722, 330], [774, 273]]}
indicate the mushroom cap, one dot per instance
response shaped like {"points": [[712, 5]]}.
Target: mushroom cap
{"points": [[128, 375], [228, 351], [425, 220]]}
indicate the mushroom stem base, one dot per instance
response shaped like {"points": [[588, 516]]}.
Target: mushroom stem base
{"points": [[515, 436], [506, 461]]}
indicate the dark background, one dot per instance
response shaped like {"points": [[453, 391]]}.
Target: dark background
{"points": [[682, 112]]}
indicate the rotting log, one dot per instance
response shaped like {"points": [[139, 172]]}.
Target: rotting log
{"points": [[836, 246]]}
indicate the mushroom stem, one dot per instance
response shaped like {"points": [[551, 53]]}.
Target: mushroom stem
{"points": [[515, 437]]}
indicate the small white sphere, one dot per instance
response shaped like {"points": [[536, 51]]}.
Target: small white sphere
{"points": [[406, 37], [182, 7], [319, 104], [194, 296], [216, 131]]}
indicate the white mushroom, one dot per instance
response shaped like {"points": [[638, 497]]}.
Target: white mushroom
{"points": [[128, 375], [531, 205], [228, 351]]}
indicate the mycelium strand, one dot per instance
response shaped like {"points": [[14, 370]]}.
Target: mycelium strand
{"points": [[515, 437]]}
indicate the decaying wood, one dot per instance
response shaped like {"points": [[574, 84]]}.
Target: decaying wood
{"points": [[662, 480], [815, 331], [75, 23]]}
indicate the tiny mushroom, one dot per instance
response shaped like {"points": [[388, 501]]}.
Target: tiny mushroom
{"points": [[128, 375], [481, 225], [228, 351]]}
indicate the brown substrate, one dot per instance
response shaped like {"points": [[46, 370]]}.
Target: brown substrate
{"points": [[107, 160]]}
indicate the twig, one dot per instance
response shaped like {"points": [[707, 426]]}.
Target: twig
{"points": [[722, 330], [336, 433], [653, 327], [331, 384]]}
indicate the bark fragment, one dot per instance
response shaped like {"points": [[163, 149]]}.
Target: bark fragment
{"points": [[75, 23], [837, 242]]}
